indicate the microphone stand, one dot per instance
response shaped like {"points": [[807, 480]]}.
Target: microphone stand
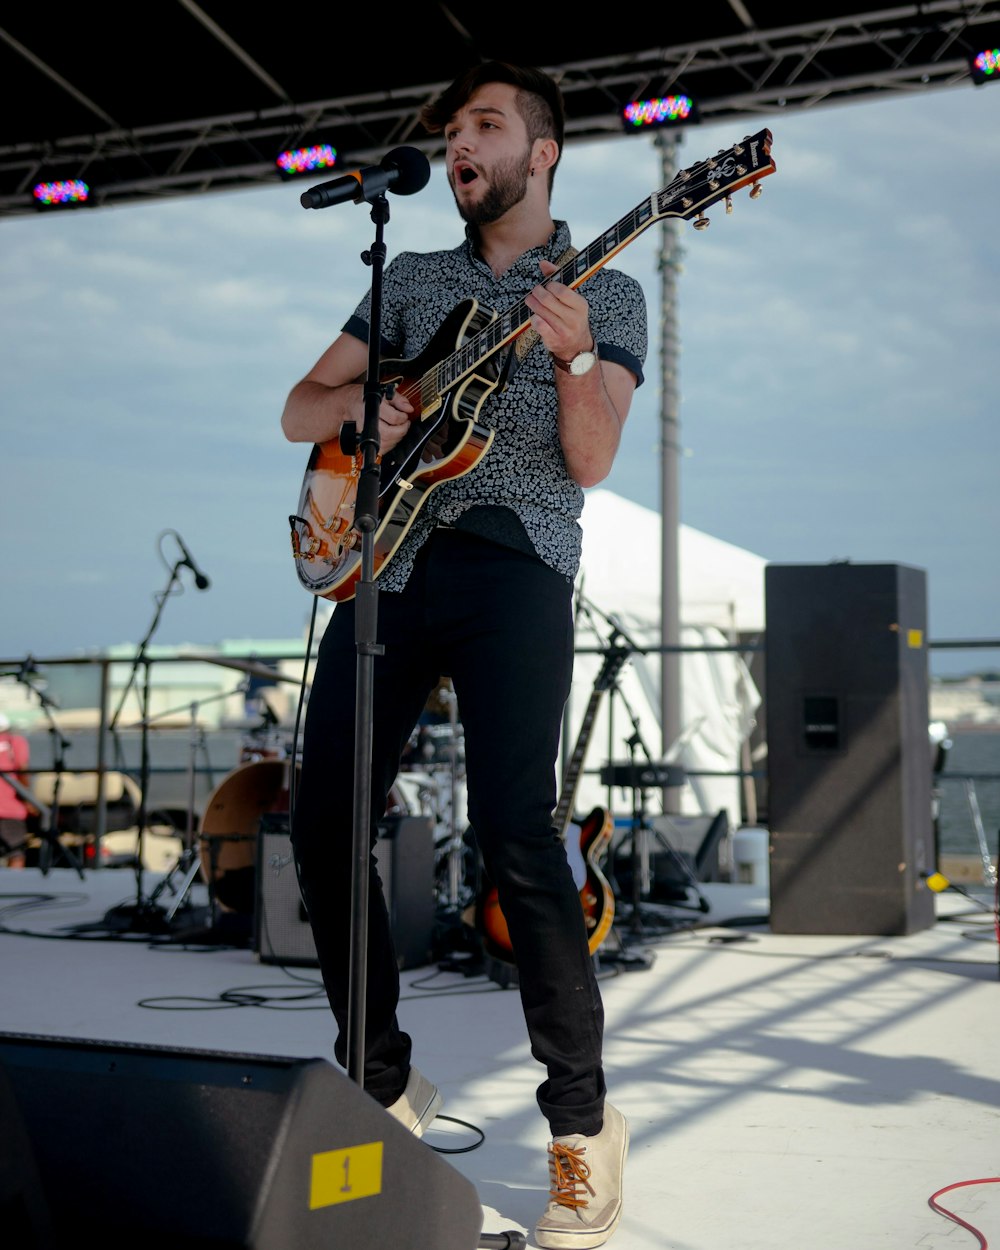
{"points": [[144, 916], [50, 831], [365, 635], [49, 826]]}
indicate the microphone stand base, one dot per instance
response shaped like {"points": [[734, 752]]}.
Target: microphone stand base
{"points": [[140, 917]]}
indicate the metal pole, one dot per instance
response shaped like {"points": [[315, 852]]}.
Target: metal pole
{"points": [[671, 713]]}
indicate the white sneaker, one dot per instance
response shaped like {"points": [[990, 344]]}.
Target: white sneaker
{"points": [[418, 1104], [585, 1193]]}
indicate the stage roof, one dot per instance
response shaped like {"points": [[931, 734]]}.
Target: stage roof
{"points": [[177, 98]]}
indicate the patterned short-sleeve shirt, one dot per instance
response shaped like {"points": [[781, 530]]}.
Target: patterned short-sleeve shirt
{"points": [[523, 469]]}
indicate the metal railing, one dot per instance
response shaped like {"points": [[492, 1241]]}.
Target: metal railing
{"points": [[28, 669]]}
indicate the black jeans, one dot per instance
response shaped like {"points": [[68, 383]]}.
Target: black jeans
{"points": [[499, 624]]}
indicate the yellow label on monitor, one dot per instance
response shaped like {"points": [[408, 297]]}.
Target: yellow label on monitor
{"points": [[914, 637], [344, 1175]]}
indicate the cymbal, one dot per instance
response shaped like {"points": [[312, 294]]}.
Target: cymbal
{"points": [[245, 666]]}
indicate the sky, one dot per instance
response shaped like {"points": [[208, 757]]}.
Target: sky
{"points": [[839, 342]]}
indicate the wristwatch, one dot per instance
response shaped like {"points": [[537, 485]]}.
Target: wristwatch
{"points": [[581, 363]]}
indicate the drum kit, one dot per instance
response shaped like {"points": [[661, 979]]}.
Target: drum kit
{"points": [[431, 783]]}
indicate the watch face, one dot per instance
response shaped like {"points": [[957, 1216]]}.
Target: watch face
{"points": [[582, 363]]}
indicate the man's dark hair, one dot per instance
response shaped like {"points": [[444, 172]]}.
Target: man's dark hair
{"points": [[539, 101]]}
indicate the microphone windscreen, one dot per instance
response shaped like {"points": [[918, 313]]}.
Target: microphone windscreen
{"points": [[413, 170]]}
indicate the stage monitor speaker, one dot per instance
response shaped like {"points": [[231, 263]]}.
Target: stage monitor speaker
{"points": [[138, 1146], [848, 753], [404, 853], [24, 1213]]}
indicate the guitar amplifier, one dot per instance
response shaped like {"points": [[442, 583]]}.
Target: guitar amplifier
{"points": [[404, 853]]}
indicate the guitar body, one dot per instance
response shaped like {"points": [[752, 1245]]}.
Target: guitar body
{"points": [[596, 896], [444, 442]]}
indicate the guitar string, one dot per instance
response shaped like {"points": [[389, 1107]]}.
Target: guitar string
{"points": [[437, 380]]}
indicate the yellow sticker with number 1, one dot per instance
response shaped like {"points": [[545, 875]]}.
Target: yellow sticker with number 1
{"points": [[344, 1175]]}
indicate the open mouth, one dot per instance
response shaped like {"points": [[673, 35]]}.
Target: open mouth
{"points": [[466, 175]]}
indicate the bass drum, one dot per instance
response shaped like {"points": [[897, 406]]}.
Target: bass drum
{"points": [[230, 828]]}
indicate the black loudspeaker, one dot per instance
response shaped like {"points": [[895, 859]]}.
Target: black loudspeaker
{"points": [[187, 1150], [404, 853], [848, 751]]}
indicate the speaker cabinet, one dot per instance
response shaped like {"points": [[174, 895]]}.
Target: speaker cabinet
{"points": [[849, 763], [173, 1150], [404, 853]]}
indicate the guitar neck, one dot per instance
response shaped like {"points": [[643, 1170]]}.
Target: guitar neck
{"points": [[514, 321], [690, 191], [574, 767]]}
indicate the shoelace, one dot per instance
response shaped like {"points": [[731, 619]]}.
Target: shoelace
{"points": [[569, 1175]]}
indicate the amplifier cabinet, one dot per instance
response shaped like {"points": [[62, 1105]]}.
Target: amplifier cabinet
{"points": [[404, 853]]}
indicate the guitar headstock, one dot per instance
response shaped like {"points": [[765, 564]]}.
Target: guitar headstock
{"points": [[716, 178]]}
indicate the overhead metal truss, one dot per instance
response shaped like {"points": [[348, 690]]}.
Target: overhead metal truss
{"points": [[738, 64]]}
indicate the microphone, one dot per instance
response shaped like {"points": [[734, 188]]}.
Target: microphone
{"points": [[403, 170], [200, 580]]}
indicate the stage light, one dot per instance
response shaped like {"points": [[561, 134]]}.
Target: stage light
{"points": [[305, 160], [985, 66], [670, 110], [67, 191]]}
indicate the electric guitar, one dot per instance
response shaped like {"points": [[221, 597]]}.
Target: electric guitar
{"points": [[466, 361], [586, 840]]}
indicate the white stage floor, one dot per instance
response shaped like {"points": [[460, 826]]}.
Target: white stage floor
{"points": [[783, 1092]]}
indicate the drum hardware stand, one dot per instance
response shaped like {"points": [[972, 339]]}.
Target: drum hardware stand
{"points": [[640, 775], [456, 847]]}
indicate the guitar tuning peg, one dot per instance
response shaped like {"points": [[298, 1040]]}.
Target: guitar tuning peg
{"points": [[755, 191], [701, 222], [729, 203]]}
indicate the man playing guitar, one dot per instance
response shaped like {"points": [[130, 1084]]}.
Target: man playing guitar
{"points": [[480, 589]]}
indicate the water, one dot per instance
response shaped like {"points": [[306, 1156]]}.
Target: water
{"points": [[975, 752]]}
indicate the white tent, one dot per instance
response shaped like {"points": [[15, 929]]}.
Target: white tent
{"points": [[721, 585], [618, 597]]}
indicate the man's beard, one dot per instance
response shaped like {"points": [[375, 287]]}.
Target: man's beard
{"points": [[508, 185]]}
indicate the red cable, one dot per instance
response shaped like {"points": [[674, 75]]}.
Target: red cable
{"points": [[932, 1202]]}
